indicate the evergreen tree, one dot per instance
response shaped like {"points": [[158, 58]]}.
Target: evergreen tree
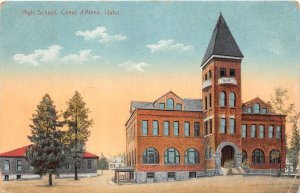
{"points": [[46, 154], [102, 163], [76, 118], [295, 141]]}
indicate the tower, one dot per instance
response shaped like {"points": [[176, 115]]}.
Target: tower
{"points": [[221, 94]]}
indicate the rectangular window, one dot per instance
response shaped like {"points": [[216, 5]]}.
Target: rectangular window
{"points": [[253, 131], [271, 131], [178, 106], [223, 125], [210, 125], [244, 131], [150, 175], [161, 105], [249, 110], [264, 111], [166, 128], [232, 72], [278, 132], [205, 102], [261, 131], [210, 101], [232, 126], [155, 128], [89, 165], [171, 174], [176, 128], [209, 74], [186, 129], [19, 165], [205, 77], [192, 175], [144, 128], [222, 72], [196, 129], [6, 165], [206, 127]]}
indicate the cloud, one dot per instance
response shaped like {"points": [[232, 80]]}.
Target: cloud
{"points": [[169, 45], [131, 66], [100, 33], [53, 55]]}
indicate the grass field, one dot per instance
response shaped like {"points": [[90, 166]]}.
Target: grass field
{"points": [[101, 184]]}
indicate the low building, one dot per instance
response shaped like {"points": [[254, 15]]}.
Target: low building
{"points": [[15, 167], [117, 163]]}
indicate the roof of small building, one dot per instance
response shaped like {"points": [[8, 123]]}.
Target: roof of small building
{"points": [[222, 42], [20, 152]]}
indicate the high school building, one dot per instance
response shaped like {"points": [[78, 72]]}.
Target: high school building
{"points": [[178, 138]]}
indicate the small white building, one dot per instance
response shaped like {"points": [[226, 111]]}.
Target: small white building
{"points": [[116, 163]]}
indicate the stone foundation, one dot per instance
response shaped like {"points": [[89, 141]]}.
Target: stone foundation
{"points": [[80, 175], [21, 177]]}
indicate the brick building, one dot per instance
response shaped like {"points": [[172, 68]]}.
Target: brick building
{"points": [[174, 138], [15, 167]]}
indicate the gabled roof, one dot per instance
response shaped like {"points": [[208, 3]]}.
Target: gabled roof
{"points": [[221, 43], [258, 100], [20, 152]]}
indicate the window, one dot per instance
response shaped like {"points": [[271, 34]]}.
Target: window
{"points": [[176, 128], [210, 126], [6, 165], [244, 131], [222, 72], [206, 153], [249, 110], [205, 102], [271, 131], [210, 100], [150, 156], [186, 129], [253, 131], [278, 132], [196, 129], [205, 77], [144, 128], [19, 165], [18, 177], [155, 128], [171, 175], [256, 108], [171, 156], [223, 125], [258, 157], [6, 177], [192, 175], [261, 131], [161, 105], [232, 126], [244, 154], [150, 175], [274, 157], [232, 99], [89, 165], [264, 111], [232, 72], [67, 166], [206, 127], [178, 106], [209, 74], [210, 153], [170, 104], [191, 156], [166, 128], [222, 99]]}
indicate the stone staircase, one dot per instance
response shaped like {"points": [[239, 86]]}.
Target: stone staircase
{"points": [[232, 171]]}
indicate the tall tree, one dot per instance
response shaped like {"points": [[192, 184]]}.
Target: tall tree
{"points": [[102, 163], [46, 154], [78, 122], [295, 141]]}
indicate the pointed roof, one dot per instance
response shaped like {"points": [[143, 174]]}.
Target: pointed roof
{"points": [[20, 152], [221, 43]]}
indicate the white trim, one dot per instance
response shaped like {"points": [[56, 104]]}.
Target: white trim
{"points": [[232, 116], [222, 116], [219, 56]]}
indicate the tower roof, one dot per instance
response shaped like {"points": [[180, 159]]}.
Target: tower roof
{"points": [[221, 43]]}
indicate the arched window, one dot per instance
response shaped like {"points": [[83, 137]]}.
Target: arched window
{"points": [[210, 153], [191, 156], [171, 156], [170, 104], [258, 157], [232, 99], [274, 157], [244, 154], [256, 108], [222, 99], [150, 156]]}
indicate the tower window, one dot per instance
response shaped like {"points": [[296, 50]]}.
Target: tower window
{"points": [[222, 72], [232, 72], [244, 131], [205, 77], [205, 102], [210, 101], [232, 126], [209, 74], [223, 125], [222, 99], [144, 128], [232, 99]]}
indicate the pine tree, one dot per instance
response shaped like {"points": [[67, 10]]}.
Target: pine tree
{"points": [[46, 154], [76, 118], [295, 141]]}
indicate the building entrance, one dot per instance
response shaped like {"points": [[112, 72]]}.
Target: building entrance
{"points": [[227, 154]]}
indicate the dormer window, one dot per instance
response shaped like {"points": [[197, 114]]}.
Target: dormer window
{"points": [[249, 110], [170, 104], [161, 105], [178, 106], [264, 110], [256, 108]]}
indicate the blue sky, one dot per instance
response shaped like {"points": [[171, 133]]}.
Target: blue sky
{"points": [[268, 33]]}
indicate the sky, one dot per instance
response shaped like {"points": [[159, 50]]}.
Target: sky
{"points": [[132, 51]]}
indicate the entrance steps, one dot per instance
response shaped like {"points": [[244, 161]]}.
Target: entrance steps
{"points": [[232, 171]]}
